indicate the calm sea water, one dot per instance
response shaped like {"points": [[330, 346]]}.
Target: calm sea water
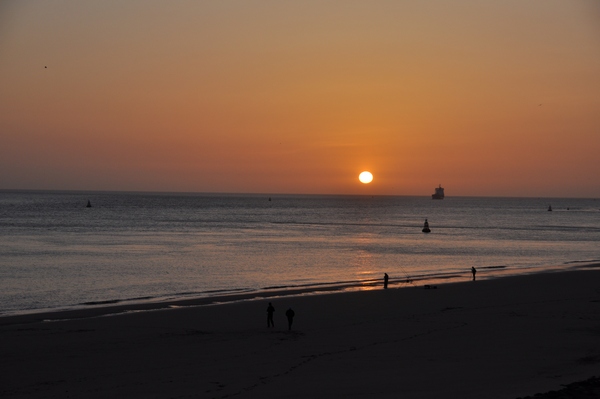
{"points": [[57, 253]]}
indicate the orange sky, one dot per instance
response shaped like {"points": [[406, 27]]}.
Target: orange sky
{"points": [[490, 98]]}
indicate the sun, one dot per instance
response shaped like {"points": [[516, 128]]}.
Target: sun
{"points": [[365, 177]]}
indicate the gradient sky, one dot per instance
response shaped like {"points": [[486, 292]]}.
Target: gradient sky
{"points": [[487, 97]]}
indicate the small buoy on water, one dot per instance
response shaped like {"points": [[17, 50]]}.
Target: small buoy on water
{"points": [[89, 204], [426, 227]]}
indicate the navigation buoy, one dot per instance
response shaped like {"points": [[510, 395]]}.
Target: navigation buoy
{"points": [[426, 227]]}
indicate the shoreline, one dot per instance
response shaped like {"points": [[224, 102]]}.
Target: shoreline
{"points": [[497, 338], [114, 307]]}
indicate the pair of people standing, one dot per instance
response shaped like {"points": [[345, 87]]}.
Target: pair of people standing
{"points": [[289, 314]]}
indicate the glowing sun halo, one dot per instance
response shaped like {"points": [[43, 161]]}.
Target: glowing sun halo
{"points": [[365, 177]]}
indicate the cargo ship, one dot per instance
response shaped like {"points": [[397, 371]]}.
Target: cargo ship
{"points": [[439, 193]]}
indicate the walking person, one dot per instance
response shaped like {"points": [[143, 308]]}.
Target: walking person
{"points": [[290, 316], [474, 271], [270, 310], [386, 278]]}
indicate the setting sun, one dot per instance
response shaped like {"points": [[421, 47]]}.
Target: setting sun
{"points": [[365, 177]]}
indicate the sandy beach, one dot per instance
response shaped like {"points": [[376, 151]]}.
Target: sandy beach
{"points": [[503, 338]]}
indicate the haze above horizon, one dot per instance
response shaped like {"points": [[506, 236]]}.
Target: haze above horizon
{"points": [[486, 98]]}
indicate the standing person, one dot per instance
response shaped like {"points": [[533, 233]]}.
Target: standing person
{"points": [[385, 280], [270, 310], [290, 316], [474, 271]]}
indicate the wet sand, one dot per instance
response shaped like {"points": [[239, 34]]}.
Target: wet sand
{"points": [[503, 338]]}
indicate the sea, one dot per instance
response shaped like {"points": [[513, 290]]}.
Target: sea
{"points": [[56, 253]]}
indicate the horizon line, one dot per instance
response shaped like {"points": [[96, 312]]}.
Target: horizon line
{"points": [[231, 193]]}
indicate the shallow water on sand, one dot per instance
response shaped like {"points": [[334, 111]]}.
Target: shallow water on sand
{"points": [[58, 253]]}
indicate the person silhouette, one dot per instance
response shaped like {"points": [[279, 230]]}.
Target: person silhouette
{"points": [[474, 271], [290, 316], [385, 280], [270, 310]]}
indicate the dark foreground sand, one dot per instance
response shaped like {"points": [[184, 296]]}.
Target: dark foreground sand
{"points": [[503, 338]]}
